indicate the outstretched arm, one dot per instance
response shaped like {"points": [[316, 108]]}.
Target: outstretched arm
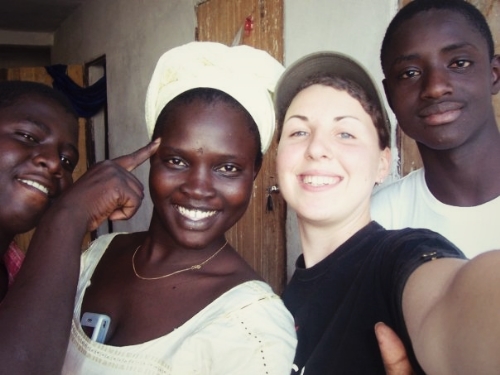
{"points": [[35, 316], [451, 308]]}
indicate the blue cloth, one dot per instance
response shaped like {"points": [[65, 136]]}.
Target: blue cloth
{"points": [[87, 101]]}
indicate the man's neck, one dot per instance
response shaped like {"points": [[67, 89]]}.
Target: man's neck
{"points": [[466, 176]]}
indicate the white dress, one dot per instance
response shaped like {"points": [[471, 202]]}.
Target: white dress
{"points": [[247, 330]]}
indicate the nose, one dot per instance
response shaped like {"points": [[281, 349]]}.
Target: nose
{"points": [[199, 183], [48, 158], [435, 83], [319, 146]]}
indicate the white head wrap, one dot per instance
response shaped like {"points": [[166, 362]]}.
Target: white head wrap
{"points": [[247, 74]]}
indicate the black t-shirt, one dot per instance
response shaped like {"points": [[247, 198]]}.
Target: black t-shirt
{"points": [[337, 302]]}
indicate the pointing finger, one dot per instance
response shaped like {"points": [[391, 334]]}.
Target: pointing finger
{"points": [[136, 158]]}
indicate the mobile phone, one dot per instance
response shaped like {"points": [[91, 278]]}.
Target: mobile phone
{"points": [[95, 325]]}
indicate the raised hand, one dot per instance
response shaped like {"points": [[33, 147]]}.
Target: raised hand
{"points": [[107, 190], [45, 287], [392, 350]]}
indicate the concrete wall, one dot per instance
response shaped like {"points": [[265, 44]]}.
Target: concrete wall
{"points": [[354, 27], [132, 35]]}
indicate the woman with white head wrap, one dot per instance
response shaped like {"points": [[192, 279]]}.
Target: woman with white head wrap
{"points": [[180, 299]]}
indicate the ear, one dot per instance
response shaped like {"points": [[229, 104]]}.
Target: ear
{"points": [[384, 164], [495, 74], [386, 91]]}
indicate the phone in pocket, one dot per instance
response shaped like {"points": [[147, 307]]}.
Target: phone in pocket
{"points": [[95, 326]]}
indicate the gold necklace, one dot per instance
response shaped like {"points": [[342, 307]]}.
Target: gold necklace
{"points": [[192, 268]]}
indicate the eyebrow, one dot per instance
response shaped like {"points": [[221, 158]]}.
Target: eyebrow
{"points": [[300, 117], [405, 58], [448, 48], [456, 46], [75, 150], [180, 152], [47, 130], [335, 119], [39, 125], [340, 118]]}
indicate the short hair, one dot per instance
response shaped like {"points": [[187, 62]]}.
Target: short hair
{"points": [[210, 96], [356, 92], [12, 91], [467, 10]]}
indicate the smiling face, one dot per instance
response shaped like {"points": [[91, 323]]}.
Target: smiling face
{"points": [[439, 79], [201, 177], [39, 140], [329, 156]]}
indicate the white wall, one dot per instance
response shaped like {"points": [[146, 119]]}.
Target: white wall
{"points": [[354, 27], [132, 34]]}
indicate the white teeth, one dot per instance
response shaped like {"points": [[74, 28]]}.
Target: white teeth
{"points": [[36, 185], [318, 180], [195, 214]]}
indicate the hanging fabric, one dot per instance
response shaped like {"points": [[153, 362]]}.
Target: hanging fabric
{"points": [[87, 101]]}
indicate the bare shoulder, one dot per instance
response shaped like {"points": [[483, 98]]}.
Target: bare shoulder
{"points": [[125, 240], [235, 268]]}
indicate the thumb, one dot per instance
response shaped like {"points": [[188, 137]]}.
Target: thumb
{"points": [[392, 350], [136, 158]]}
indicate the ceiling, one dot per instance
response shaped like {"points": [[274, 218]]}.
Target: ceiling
{"points": [[35, 15]]}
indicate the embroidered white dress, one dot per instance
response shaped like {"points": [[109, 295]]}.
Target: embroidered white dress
{"points": [[247, 330]]}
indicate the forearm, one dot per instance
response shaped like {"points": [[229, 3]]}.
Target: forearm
{"points": [[35, 316], [462, 333]]}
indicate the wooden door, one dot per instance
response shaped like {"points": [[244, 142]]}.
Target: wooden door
{"points": [[39, 74], [259, 236], [408, 151]]}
